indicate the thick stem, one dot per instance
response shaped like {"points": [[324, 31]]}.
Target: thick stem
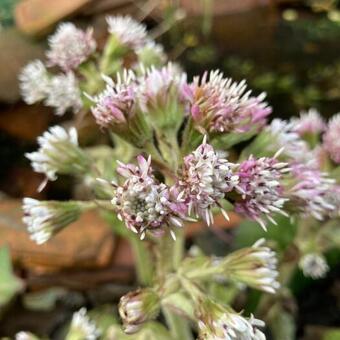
{"points": [[143, 261], [179, 326]]}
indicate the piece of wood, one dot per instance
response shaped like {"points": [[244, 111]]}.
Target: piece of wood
{"points": [[87, 243], [35, 17]]}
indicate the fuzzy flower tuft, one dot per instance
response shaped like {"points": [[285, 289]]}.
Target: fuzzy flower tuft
{"points": [[45, 218], [143, 203], [314, 265], [159, 88], [127, 31], [218, 104], [82, 327], [137, 307], [283, 135], [59, 153], [205, 178], [260, 188], [34, 82], [255, 266], [331, 140], [216, 322], [70, 46], [309, 194], [63, 94], [116, 104], [309, 122]]}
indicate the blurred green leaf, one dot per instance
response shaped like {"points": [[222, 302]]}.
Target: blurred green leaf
{"points": [[44, 300], [10, 285]]}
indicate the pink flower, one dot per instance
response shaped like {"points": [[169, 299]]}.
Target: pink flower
{"points": [[117, 102], [309, 192], [219, 104], [309, 122], [261, 190], [205, 179], [331, 140], [70, 46], [143, 203]]}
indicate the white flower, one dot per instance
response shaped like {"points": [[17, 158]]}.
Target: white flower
{"points": [[34, 82], [70, 46], [63, 93], [82, 327], [255, 266], [46, 218], [314, 265], [58, 153], [127, 30]]}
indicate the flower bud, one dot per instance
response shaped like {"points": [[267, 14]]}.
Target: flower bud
{"points": [[255, 266], [59, 153], [137, 307], [45, 218]]}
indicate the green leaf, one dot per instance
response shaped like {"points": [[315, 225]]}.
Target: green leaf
{"points": [[10, 285]]}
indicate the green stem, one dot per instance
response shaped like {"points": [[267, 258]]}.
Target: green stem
{"points": [[143, 261], [179, 327]]}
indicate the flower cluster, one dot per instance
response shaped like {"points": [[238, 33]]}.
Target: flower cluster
{"points": [[70, 46], [144, 203], [260, 188], [218, 104], [205, 179]]}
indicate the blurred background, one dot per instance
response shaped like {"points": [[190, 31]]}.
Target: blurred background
{"points": [[287, 48]]}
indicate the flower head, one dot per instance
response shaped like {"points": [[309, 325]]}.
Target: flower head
{"points": [[127, 31], [137, 307], [310, 191], [255, 266], [82, 327], [70, 46], [63, 94], [151, 54], [217, 322], [34, 82], [331, 140], [59, 153], [260, 188], [314, 265], [205, 179], [309, 122], [116, 104], [283, 135], [45, 218], [144, 203], [159, 88], [218, 104]]}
